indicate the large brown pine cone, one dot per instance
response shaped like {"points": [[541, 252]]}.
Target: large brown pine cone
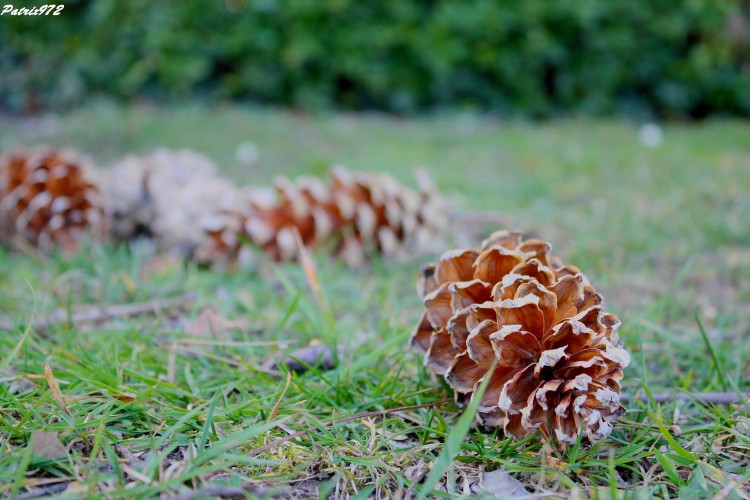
{"points": [[358, 213], [49, 198], [559, 358], [179, 199]]}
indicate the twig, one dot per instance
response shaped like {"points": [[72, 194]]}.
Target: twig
{"points": [[231, 343], [45, 491], [104, 312], [211, 492], [718, 398], [376, 413], [194, 352], [224, 492]]}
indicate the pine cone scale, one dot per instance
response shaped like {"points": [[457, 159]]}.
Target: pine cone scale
{"points": [[499, 378], [422, 335], [464, 373], [496, 262], [441, 352], [513, 346], [478, 344]]}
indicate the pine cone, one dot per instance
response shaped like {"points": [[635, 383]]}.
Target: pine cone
{"points": [[559, 357], [178, 199], [49, 198], [359, 212]]}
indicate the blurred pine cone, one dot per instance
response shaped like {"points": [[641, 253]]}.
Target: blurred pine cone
{"points": [[359, 213], [179, 199], [49, 198], [559, 357]]}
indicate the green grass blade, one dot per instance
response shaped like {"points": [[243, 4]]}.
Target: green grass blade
{"points": [[718, 366], [453, 442]]}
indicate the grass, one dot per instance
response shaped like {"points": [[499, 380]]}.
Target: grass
{"points": [[662, 232]]}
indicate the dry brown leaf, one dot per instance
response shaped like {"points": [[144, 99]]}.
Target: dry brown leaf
{"points": [[415, 473], [502, 485], [47, 445], [54, 388], [211, 324], [314, 354], [125, 397]]}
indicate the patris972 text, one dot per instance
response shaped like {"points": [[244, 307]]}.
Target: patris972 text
{"points": [[42, 10]]}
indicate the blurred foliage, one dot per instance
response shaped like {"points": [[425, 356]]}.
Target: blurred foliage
{"points": [[673, 58]]}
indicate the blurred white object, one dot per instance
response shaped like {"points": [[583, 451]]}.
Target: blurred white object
{"points": [[247, 153], [651, 135]]}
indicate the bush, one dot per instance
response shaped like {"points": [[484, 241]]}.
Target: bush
{"points": [[675, 58]]}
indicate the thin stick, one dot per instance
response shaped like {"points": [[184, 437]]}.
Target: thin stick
{"points": [[232, 343], [226, 492], [211, 492], [193, 352], [718, 398], [104, 312], [376, 413], [45, 491]]}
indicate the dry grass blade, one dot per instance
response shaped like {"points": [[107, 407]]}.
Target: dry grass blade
{"points": [[275, 410], [54, 388], [308, 266]]}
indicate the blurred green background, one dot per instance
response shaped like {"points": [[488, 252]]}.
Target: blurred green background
{"points": [[536, 58]]}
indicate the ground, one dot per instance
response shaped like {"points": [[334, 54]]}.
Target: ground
{"points": [[145, 409]]}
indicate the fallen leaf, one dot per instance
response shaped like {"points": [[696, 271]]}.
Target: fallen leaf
{"points": [[314, 354], [503, 485], [211, 324], [21, 385], [47, 445], [415, 473], [125, 397]]}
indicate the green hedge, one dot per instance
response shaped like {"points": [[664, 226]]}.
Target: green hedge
{"points": [[675, 58]]}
